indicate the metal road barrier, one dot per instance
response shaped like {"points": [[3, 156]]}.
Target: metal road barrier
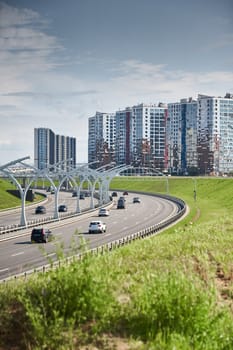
{"points": [[8, 230]]}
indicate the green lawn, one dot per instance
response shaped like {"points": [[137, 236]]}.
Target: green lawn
{"points": [[8, 200], [173, 291]]}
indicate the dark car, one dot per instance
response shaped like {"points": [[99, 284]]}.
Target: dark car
{"points": [[74, 194], [114, 194], [136, 200], [62, 208], [40, 209], [121, 203], [125, 193], [40, 235], [81, 196]]}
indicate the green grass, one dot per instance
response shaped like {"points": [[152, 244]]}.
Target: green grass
{"points": [[8, 200], [173, 291]]}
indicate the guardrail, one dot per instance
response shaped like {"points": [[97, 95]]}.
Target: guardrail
{"points": [[49, 219], [108, 247], [45, 220]]}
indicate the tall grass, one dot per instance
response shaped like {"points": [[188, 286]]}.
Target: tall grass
{"points": [[171, 291]]}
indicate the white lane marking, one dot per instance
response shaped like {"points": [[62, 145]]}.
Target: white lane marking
{"points": [[20, 253], [51, 254], [3, 270], [125, 228], [107, 234]]}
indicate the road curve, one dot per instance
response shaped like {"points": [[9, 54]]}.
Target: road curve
{"points": [[18, 255]]}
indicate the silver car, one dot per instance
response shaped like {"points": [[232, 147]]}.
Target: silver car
{"points": [[103, 212]]}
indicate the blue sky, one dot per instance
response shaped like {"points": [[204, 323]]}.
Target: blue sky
{"points": [[63, 60]]}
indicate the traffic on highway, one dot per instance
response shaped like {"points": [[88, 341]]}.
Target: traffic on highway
{"points": [[19, 254], [67, 204]]}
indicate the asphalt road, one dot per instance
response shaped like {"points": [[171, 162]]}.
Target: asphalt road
{"points": [[19, 255], [12, 217]]}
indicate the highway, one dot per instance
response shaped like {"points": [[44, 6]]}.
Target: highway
{"points": [[12, 217], [19, 254]]}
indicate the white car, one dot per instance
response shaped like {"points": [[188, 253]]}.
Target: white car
{"points": [[97, 227], [103, 212]]}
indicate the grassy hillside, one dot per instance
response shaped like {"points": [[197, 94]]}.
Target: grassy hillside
{"points": [[8, 200], [170, 291]]}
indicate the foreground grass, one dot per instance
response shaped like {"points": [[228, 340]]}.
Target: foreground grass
{"points": [[171, 291]]}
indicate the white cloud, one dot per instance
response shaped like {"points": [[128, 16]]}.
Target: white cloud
{"points": [[12, 16]]}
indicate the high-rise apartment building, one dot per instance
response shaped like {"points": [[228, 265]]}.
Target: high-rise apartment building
{"points": [[50, 149], [65, 152], [101, 139], [181, 136], [140, 135], [123, 144], [44, 147], [215, 134], [186, 137]]}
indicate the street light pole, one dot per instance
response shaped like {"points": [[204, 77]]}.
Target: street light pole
{"points": [[194, 189]]}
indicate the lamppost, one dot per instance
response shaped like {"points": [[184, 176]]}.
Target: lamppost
{"points": [[194, 189]]}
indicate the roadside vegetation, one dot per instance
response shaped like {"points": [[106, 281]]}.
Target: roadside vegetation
{"points": [[7, 200], [173, 291]]}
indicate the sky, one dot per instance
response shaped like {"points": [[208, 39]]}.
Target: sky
{"points": [[63, 60]]}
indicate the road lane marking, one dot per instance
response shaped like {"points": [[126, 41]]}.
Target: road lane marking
{"points": [[51, 254], [3, 270], [20, 253]]}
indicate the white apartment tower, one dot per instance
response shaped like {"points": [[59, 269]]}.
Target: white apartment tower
{"points": [[101, 139], [215, 134], [140, 135]]}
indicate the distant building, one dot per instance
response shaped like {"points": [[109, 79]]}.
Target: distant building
{"points": [[50, 149], [215, 134], [44, 147], [187, 137], [101, 139], [140, 135], [123, 144], [181, 136]]}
